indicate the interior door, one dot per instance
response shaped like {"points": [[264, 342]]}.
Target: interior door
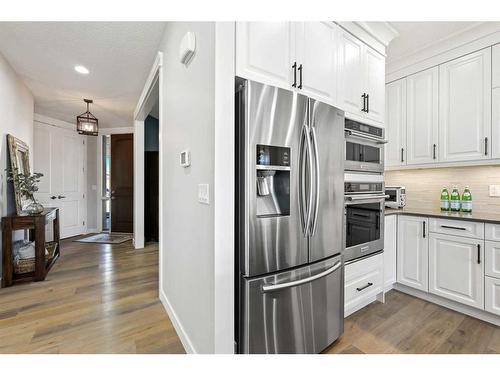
{"points": [[374, 66], [316, 53], [456, 269], [413, 252], [122, 182], [327, 230], [60, 154], [465, 108], [422, 116], [395, 124]]}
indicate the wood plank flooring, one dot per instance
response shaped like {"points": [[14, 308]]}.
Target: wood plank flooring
{"points": [[405, 324], [97, 299]]}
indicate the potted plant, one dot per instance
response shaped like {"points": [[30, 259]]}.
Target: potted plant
{"points": [[27, 185]]}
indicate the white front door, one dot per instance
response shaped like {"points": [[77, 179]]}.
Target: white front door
{"points": [[60, 155]]}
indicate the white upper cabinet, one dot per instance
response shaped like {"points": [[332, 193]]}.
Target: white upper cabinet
{"points": [[317, 60], [465, 108], [297, 56], [361, 79], [265, 52], [395, 152], [350, 55], [495, 81], [495, 122], [375, 85], [413, 252], [456, 269], [422, 117]]}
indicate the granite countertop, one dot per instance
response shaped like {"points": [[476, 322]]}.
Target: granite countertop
{"points": [[484, 216]]}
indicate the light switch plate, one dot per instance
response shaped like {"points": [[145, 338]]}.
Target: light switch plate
{"points": [[494, 190], [203, 193]]}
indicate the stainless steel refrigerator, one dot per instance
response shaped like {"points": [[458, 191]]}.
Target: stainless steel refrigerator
{"points": [[289, 221]]}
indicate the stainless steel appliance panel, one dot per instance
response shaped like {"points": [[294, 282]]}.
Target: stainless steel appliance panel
{"points": [[273, 117], [297, 311], [327, 228]]}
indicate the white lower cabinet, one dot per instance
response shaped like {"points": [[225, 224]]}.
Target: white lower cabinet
{"points": [[390, 246], [492, 259], [456, 269], [492, 295], [413, 252], [363, 281]]}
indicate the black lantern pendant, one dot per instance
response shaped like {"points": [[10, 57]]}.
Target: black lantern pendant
{"points": [[87, 123]]}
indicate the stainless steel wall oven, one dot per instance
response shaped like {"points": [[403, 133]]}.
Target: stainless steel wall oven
{"points": [[364, 147]]}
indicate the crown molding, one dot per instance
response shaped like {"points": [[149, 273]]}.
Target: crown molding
{"points": [[377, 35]]}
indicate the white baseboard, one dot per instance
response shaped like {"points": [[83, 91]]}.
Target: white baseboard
{"points": [[91, 230], [452, 305], [179, 329]]}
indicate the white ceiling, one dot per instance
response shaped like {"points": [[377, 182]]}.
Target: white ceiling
{"points": [[119, 56], [416, 36]]}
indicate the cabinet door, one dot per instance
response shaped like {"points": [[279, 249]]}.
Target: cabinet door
{"points": [[374, 66], [465, 108], [413, 252], [350, 54], [495, 122], [492, 259], [316, 53], [265, 52], [395, 124], [422, 116], [492, 295], [495, 81], [390, 247], [456, 269]]}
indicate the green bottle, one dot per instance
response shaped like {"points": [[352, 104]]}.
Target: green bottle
{"points": [[445, 200], [455, 199], [467, 200]]}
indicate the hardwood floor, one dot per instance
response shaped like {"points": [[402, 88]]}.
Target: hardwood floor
{"points": [[96, 299], [405, 324]]}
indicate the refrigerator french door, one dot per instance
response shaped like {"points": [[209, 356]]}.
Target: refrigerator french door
{"points": [[289, 203]]}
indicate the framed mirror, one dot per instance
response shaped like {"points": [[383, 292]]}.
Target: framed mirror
{"points": [[20, 161]]}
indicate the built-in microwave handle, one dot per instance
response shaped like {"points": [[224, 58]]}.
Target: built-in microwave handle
{"points": [[290, 284], [355, 134]]}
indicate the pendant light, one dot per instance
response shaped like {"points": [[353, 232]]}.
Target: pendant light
{"points": [[87, 123]]}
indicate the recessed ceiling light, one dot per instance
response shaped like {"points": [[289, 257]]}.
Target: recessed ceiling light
{"points": [[81, 69]]}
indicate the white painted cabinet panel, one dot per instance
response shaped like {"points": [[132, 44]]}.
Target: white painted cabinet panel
{"points": [[316, 53], [465, 108], [492, 295], [495, 81], [495, 122], [395, 124], [351, 73], [422, 116], [492, 232], [492, 259], [390, 246], [413, 252], [456, 269], [265, 52], [375, 84], [462, 228]]}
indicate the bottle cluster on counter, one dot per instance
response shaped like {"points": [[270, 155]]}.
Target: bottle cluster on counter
{"points": [[456, 202]]}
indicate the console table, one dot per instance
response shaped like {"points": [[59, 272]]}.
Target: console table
{"points": [[36, 226]]}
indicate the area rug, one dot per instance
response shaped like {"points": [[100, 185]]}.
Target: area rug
{"points": [[111, 238]]}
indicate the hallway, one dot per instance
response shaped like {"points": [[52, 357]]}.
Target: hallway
{"points": [[97, 299]]}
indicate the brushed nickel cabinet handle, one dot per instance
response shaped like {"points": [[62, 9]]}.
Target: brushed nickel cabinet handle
{"points": [[364, 287]]}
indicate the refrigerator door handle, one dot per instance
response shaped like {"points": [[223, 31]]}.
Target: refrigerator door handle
{"points": [[317, 182], [310, 200], [275, 287], [301, 193]]}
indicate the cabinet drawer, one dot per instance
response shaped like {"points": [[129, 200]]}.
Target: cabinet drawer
{"points": [[463, 228], [363, 280], [492, 232], [492, 259], [492, 295]]}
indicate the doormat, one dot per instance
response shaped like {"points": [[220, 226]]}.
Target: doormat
{"points": [[112, 238]]}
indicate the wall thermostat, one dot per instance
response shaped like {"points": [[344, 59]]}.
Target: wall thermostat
{"points": [[187, 48], [185, 158]]}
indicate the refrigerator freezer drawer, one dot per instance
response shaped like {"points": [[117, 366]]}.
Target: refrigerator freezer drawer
{"points": [[297, 311]]}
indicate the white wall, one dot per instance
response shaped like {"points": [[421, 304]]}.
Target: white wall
{"points": [[188, 227], [16, 108]]}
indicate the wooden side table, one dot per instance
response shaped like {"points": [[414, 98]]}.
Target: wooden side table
{"points": [[36, 226]]}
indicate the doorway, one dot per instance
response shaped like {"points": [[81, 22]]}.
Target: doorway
{"points": [[151, 176], [117, 183]]}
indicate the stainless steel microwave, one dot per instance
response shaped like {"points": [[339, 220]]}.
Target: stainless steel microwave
{"points": [[364, 147]]}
